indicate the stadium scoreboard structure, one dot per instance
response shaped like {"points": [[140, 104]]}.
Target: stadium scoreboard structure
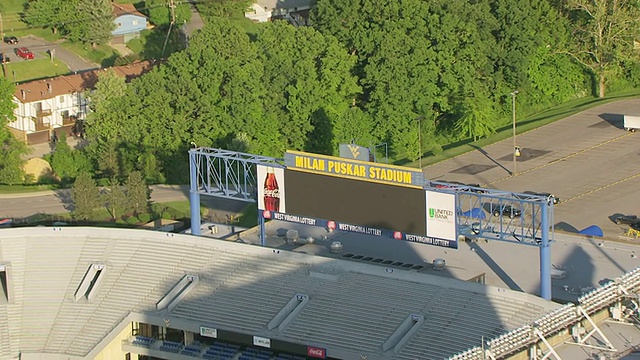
{"points": [[370, 198], [357, 196]]}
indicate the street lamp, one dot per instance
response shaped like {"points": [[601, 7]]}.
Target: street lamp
{"points": [[515, 148], [419, 119]]}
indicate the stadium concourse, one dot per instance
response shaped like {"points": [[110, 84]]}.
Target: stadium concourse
{"points": [[93, 293]]}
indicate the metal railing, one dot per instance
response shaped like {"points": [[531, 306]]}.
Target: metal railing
{"points": [[559, 319]]}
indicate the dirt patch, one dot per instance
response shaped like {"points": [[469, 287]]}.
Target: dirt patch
{"points": [[36, 168]]}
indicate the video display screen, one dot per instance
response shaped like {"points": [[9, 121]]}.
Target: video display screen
{"points": [[364, 203]]}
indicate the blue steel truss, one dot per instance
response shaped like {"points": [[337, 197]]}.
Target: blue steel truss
{"points": [[227, 174], [480, 215], [528, 219]]}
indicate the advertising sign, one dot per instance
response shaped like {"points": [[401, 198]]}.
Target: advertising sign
{"points": [[354, 169], [332, 225], [208, 332], [271, 194], [356, 152], [316, 352], [262, 342], [441, 215]]}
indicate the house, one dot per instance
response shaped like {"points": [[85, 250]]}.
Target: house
{"points": [[129, 23], [56, 104], [265, 10]]}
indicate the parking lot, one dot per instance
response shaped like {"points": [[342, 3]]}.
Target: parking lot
{"points": [[41, 48], [588, 160]]}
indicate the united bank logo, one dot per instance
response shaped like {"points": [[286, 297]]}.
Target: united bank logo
{"points": [[440, 214]]}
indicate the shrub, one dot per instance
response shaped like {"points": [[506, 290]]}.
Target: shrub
{"points": [[144, 218]]}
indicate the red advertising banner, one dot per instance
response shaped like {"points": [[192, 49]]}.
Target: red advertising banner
{"points": [[316, 352]]}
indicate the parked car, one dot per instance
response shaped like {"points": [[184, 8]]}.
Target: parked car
{"points": [[24, 53], [626, 219], [479, 189], [4, 59], [505, 210], [551, 198], [11, 40]]}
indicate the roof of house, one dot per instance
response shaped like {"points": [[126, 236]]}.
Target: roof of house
{"points": [[39, 90], [349, 306], [124, 9]]}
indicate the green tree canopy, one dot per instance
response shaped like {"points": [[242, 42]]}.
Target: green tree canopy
{"points": [[159, 12], [606, 34], [91, 22], [49, 14], [85, 196], [11, 150]]}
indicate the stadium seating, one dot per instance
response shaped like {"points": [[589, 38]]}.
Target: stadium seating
{"points": [[236, 292], [171, 346], [142, 341], [192, 349]]}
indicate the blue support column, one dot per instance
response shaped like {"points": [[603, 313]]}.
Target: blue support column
{"points": [[194, 196], [262, 230], [545, 254]]}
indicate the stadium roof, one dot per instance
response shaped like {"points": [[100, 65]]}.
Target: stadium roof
{"points": [[349, 308]]}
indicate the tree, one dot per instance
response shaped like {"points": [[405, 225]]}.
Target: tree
{"points": [[605, 34], [115, 199], [92, 22], [109, 86], [66, 162], [223, 8], [53, 14], [11, 150], [137, 193], [160, 13], [85, 196], [104, 125]]}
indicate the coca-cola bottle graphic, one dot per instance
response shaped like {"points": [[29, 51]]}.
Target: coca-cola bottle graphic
{"points": [[271, 192]]}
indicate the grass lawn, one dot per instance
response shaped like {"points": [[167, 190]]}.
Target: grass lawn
{"points": [[19, 189], [19, 70], [99, 55]]}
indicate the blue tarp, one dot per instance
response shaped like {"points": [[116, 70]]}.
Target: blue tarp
{"points": [[593, 230], [475, 213]]}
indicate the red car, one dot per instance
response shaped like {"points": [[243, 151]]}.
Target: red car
{"points": [[24, 53]]}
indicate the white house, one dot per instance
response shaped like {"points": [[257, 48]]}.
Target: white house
{"points": [[265, 10], [56, 103]]}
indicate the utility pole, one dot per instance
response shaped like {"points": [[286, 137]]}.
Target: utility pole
{"points": [[172, 8], [4, 55]]}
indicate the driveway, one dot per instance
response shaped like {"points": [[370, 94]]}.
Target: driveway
{"points": [[41, 48]]}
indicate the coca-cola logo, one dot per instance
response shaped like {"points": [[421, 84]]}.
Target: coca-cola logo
{"points": [[274, 193], [316, 352]]}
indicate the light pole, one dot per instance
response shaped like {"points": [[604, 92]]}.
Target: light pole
{"points": [[419, 118], [513, 111]]}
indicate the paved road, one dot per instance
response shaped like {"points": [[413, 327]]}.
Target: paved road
{"points": [[41, 47], [58, 201]]}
